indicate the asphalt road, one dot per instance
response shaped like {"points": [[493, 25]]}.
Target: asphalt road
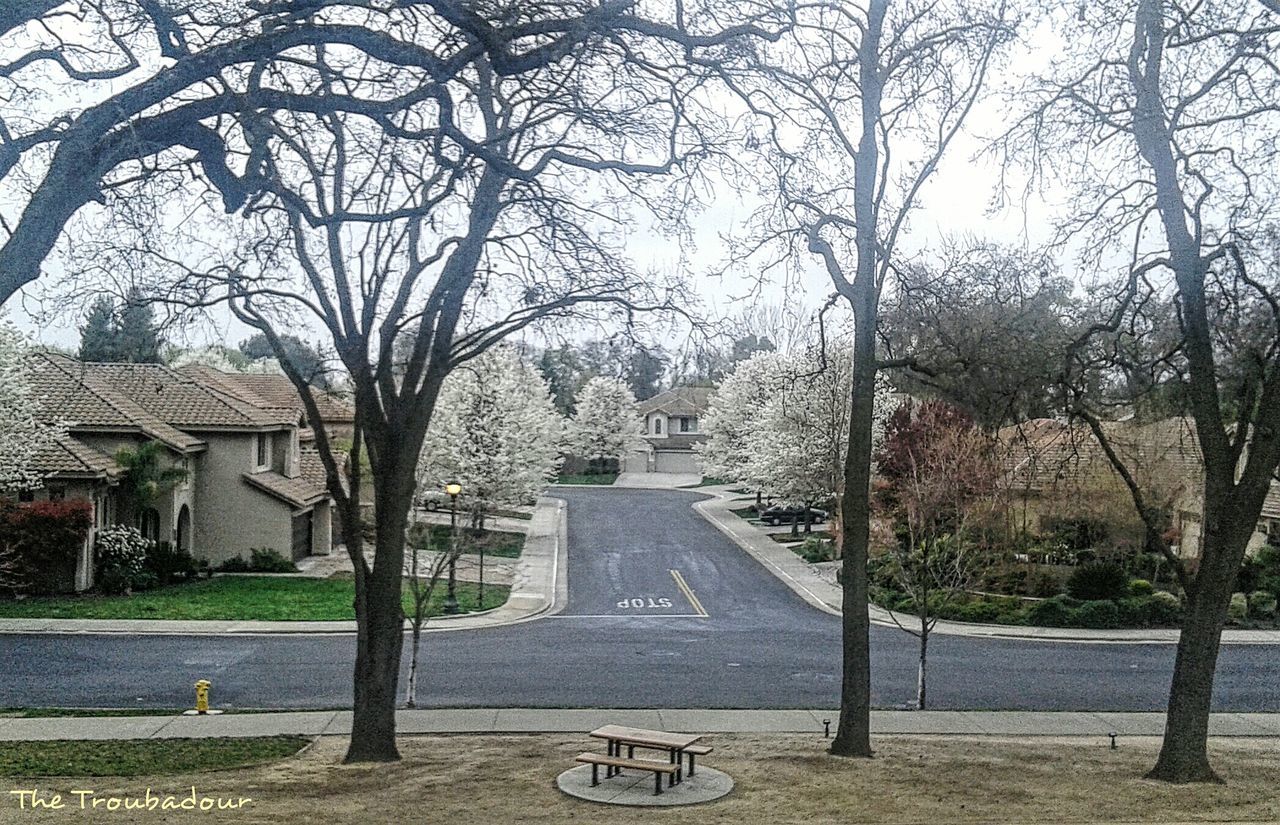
{"points": [[663, 611]]}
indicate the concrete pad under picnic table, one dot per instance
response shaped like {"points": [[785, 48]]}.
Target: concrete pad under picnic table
{"points": [[635, 787]]}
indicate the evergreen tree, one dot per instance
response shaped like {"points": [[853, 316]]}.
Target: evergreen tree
{"points": [[98, 335], [306, 358], [137, 337]]}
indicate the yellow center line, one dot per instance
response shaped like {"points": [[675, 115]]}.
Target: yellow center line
{"points": [[688, 594]]}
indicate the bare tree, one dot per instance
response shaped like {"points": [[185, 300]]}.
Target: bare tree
{"points": [[104, 94], [419, 237], [422, 572], [855, 111], [1179, 103]]}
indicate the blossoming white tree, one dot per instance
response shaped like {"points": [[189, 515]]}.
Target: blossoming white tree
{"points": [[606, 421], [779, 424], [23, 432], [733, 416], [496, 432]]}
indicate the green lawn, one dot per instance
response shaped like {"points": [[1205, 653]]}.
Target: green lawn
{"points": [[234, 598], [585, 478], [494, 542], [143, 757]]}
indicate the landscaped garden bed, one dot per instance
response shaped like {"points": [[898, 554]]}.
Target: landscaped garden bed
{"points": [[236, 598], [439, 537]]}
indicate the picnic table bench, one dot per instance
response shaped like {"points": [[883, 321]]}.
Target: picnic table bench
{"points": [[677, 745]]}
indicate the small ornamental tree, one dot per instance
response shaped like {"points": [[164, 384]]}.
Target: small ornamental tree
{"points": [[939, 484], [496, 432], [606, 421], [24, 432]]}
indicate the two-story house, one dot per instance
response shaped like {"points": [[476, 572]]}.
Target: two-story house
{"points": [[669, 429], [249, 483]]}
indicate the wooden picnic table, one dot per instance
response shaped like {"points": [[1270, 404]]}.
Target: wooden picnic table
{"points": [[673, 743]]}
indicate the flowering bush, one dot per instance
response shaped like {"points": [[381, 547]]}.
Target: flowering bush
{"points": [[122, 556]]}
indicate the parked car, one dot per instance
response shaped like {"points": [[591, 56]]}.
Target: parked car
{"points": [[433, 500], [785, 514]]}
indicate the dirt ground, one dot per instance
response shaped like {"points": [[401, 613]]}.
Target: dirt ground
{"points": [[780, 779]]}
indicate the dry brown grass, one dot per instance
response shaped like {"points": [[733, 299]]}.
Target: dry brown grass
{"points": [[780, 779]]}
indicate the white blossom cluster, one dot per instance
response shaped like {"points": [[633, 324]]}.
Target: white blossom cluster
{"points": [[779, 424]]}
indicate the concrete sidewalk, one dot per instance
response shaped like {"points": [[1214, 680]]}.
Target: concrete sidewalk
{"points": [[517, 720], [539, 586], [824, 594]]}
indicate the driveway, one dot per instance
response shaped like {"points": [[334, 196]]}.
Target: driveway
{"points": [[723, 633], [657, 481]]}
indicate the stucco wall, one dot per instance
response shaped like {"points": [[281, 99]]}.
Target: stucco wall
{"points": [[234, 517]]}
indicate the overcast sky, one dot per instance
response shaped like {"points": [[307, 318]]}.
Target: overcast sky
{"points": [[957, 202]]}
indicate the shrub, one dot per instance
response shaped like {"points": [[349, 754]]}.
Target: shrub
{"points": [[1262, 604], [1044, 585], [45, 538], [1140, 587], [267, 560], [978, 611], [814, 549], [169, 564], [235, 564], [1097, 613], [1098, 581], [1238, 611], [121, 555], [1055, 612], [1164, 608]]}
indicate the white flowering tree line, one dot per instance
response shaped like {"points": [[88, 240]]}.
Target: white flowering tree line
{"points": [[779, 423]]}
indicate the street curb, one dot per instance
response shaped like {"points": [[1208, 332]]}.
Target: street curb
{"points": [[544, 593], [821, 594], [516, 721]]}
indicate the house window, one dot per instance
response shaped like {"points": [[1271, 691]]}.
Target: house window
{"points": [[684, 425], [26, 496], [263, 450], [57, 493], [657, 426]]}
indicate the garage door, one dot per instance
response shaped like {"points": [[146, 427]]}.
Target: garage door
{"points": [[672, 461], [302, 536]]}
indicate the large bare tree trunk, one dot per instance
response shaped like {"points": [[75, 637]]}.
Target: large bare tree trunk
{"points": [[853, 734], [1184, 754], [380, 622]]}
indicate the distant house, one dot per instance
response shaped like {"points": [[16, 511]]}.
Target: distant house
{"points": [[669, 429], [250, 483], [1058, 470]]}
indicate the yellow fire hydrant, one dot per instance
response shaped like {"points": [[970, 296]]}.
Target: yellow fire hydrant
{"points": [[202, 695]]}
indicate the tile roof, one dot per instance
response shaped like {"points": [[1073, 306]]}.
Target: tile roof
{"points": [[678, 401], [185, 402], [78, 395], [298, 492], [67, 457], [1044, 453], [273, 392]]}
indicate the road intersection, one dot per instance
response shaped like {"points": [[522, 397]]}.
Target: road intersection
{"points": [[662, 611]]}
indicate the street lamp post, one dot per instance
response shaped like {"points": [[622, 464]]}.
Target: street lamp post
{"points": [[451, 596]]}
